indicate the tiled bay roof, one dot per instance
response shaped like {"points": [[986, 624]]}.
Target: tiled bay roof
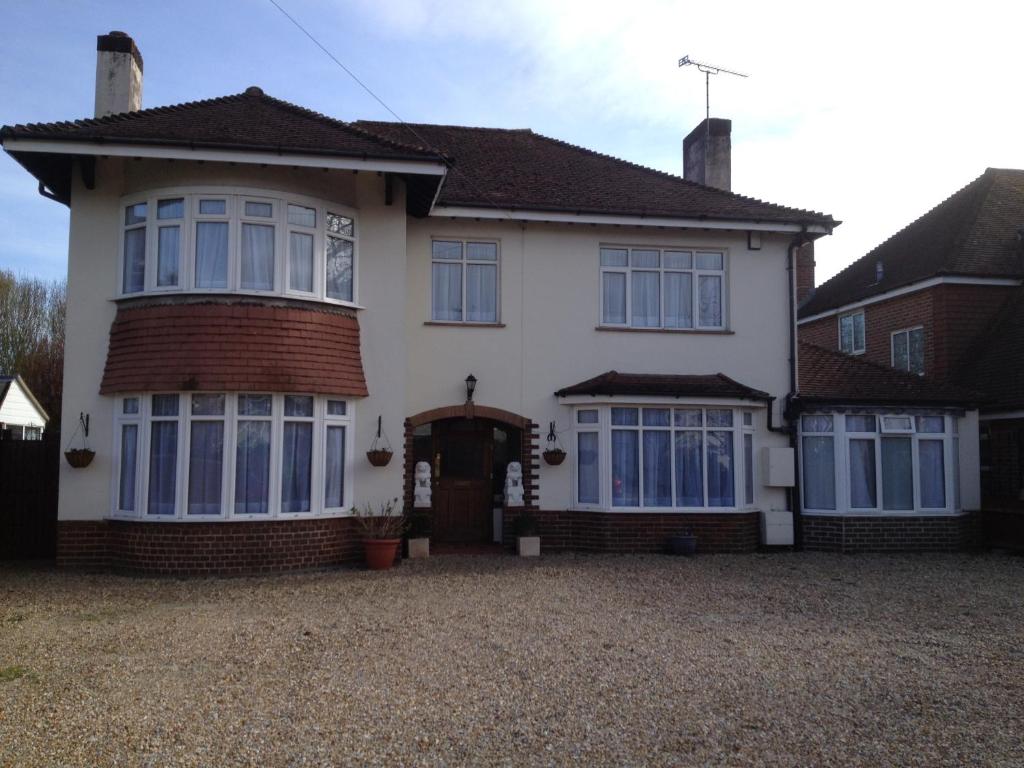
{"points": [[664, 385]]}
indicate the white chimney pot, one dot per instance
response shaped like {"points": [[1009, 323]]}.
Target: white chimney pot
{"points": [[118, 75]]}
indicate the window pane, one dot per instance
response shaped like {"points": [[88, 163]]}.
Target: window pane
{"points": [[819, 473], [685, 417], [748, 419], [645, 259], [646, 300], [709, 261], [916, 353], [207, 405], [257, 257], [171, 209], [897, 423], [613, 298], [748, 469], [710, 287], [336, 407], [213, 207], [301, 216], [587, 477], [900, 353], [816, 423], [678, 300], [205, 467], [341, 225], [678, 260], [135, 214], [657, 468], [134, 260], [858, 332], [163, 467], [625, 468], [481, 293], [863, 493], [447, 292], [897, 473], [298, 406], [625, 417], [254, 405], [339, 269], [168, 248], [264, 210], [956, 473], [587, 417], [449, 250], [334, 468], [482, 251], [931, 464], [720, 470], [614, 257], [252, 467], [719, 417], [861, 424], [689, 469], [212, 254], [300, 262], [931, 424], [130, 405], [165, 405], [129, 458], [296, 466], [846, 334], [656, 417]]}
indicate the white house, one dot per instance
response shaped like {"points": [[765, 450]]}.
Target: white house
{"points": [[257, 291], [21, 415]]}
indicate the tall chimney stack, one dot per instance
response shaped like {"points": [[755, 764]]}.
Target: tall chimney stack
{"points": [[118, 74], [707, 154]]}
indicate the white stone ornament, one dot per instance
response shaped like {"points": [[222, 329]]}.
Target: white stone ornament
{"points": [[514, 485], [421, 485]]}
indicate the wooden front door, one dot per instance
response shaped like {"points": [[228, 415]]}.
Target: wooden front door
{"points": [[463, 459]]}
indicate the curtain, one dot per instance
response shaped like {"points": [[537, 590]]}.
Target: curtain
{"points": [[689, 469], [134, 260], [863, 492], [587, 477], [339, 269], [163, 464], [613, 301], [678, 300], [625, 468], [252, 468], [129, 451], [657, 468], [334, 468], [212, 254], [930, 461], [300, 262], [748, 469], [257, 257], [481, 293], [297, 465], [205, 467], [447, 291], [168, 249], [646, 300], [720, 470], [897, 473], [710, 288], [819, 472]]}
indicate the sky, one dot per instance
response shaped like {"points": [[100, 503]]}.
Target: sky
{"points": [[872, 112]]}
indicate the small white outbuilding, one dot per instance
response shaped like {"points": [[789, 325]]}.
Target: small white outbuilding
{"points": [[21, 415]]}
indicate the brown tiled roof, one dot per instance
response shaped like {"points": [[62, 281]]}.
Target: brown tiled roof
{"points": [[523, 170], [995, 364], [829, 376], [664, 385], [972, 233]]}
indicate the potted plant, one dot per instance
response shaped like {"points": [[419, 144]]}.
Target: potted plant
{"points": [[527, 535], [553, 453], [79, 457], [382, 533], [684, 543], [419, 534]]}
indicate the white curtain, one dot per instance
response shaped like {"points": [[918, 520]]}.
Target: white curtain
{"points": [[339, 269], [257, 257], [163, 463], [748, 469], [168, 249], [710, 287], [212, 254], [930, 461], [129, 451], [657, 468], [646, 300], [863, 493], [252, 468], [334, 469], [897, 474], [614, 298], [134, 260], [481, 293], [205, 467], [300, 262], [678, 300], [819, 472], [689, 469], [587, 477], [447, 292], [295, 474], [721, 490], [625, 468]]}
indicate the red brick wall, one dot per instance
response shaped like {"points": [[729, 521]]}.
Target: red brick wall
{"points": [[831, 533], [234, 346], [804, 272]]}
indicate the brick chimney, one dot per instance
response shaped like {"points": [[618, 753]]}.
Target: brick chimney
{"points": [[707, 154], [804, 272], [118, 74]]}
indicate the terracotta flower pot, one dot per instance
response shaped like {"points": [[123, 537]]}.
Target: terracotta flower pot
{"points": [[380, 553], [379, 457]]}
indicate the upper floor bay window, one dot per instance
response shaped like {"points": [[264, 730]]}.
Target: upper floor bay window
{"points": [[908, 350], [851, 333], [216, 455], [662, 288], [879, 463], [248, 243], [464, 281]]}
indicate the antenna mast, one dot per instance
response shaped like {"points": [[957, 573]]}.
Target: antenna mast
{"points": [[708, 70]]}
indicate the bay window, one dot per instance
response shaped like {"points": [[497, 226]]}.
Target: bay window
{"points": [[220, 455]]}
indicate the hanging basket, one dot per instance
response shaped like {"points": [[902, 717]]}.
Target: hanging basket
{"points": [[554, 456], [379, 457], [79, 457]]}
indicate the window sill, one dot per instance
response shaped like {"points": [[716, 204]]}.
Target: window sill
{"points": [[666, 510], [456, 324], [695, 331]]}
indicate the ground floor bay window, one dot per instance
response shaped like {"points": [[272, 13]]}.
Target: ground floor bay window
{"points": [[879, 463], [216, 455]]}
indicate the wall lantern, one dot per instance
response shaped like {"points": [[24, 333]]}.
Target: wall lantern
{"points": [[470, 387]]}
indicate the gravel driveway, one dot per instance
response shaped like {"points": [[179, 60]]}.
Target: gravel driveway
{"points": [[791, 659]]}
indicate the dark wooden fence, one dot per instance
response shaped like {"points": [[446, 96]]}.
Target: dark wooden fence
{"points": [[28, 497]]}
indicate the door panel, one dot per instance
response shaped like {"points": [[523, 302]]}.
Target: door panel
{"points": [[463, 450]]}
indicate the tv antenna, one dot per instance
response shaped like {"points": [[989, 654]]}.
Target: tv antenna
{"points": [[708, 70]]}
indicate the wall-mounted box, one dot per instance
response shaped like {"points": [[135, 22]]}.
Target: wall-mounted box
{"points": [[777, 467], [777, 528]]}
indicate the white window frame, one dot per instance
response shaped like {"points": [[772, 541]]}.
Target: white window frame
{"points": [[854, 350], [464, 263], [235, 198], [661, 269], [892, 348], [144, 419]]}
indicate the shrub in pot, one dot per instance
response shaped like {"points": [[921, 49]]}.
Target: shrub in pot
{"points": [[382, 534], [419, 534], [527, 535]]}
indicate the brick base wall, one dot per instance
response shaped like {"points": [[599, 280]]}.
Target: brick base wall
{"points": [[208, 548], [828, 533]]}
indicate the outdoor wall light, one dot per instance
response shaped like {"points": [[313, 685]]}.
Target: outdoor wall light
{"points": [[470, 387]]}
